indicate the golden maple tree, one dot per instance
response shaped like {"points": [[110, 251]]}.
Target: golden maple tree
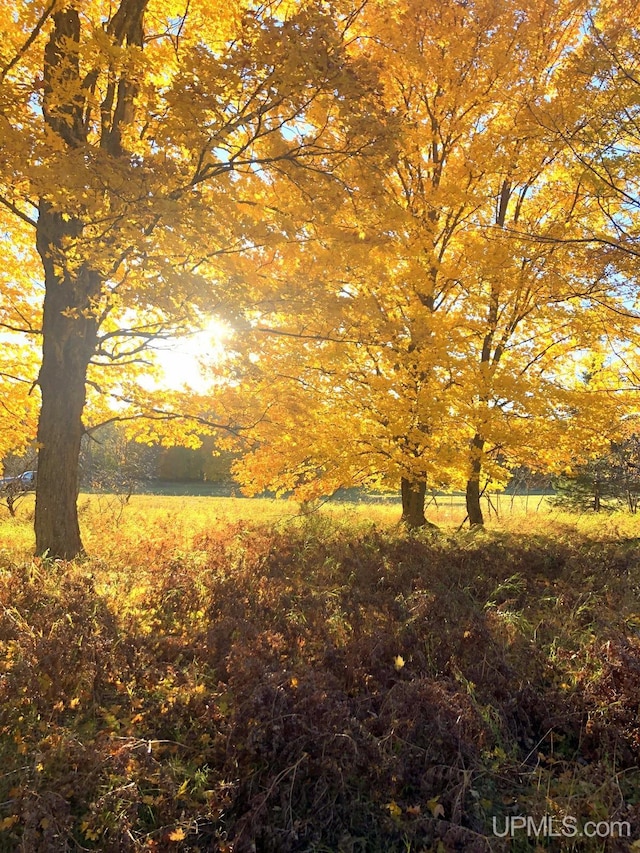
{"points": [[432, 328], [141, 143]]}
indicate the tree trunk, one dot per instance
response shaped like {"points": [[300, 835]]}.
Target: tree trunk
{"points": [[69, 326], [11, 503], [69, 340], [474, 510], [413, 495]]}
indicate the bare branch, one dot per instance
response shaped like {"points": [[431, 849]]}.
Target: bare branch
{"points": [[15, 378], [32, 37], [19, 213], [302, 336], [23, 331]]}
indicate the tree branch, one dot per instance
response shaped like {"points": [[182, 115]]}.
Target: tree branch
{"points": [[32, 37], [19, 213]]}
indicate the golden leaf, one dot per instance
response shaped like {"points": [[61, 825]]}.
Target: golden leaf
{"points": [[176, 835]]}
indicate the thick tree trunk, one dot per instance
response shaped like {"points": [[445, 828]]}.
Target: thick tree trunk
{"points": [[474, 510], [69, 327], [69, 340], [413, 495]]}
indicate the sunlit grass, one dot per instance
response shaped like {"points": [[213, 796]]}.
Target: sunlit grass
{"points": [[155, 519], [17, 539]]}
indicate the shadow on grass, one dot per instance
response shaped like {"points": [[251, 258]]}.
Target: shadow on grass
{"points": [[323, 688]]}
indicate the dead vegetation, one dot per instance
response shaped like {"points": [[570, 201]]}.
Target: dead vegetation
{"points": [[320, 687]]}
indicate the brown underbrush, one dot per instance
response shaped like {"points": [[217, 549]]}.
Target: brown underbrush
{"points": [[322, 687]]}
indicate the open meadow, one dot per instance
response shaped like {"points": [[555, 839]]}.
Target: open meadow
{"points": [[233, 675], [152, 517]]}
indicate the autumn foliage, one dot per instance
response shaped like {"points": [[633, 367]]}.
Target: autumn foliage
{"points": [[419, 221], [460, 307]]}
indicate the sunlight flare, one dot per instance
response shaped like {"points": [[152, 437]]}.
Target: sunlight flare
{"points": [[184, 362]]}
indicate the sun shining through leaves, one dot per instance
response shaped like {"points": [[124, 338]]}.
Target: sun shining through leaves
{"points": [[186, 360]]}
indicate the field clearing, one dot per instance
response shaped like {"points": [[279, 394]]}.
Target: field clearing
{"points": [[176, 519], [110, 523]]}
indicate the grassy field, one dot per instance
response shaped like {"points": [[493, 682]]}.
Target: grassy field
{"points": [[184, 516], [233, 675]]}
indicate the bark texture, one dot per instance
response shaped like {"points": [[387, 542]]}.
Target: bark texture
{"points": [[69, 341], [413, 496], [474, 509]]}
